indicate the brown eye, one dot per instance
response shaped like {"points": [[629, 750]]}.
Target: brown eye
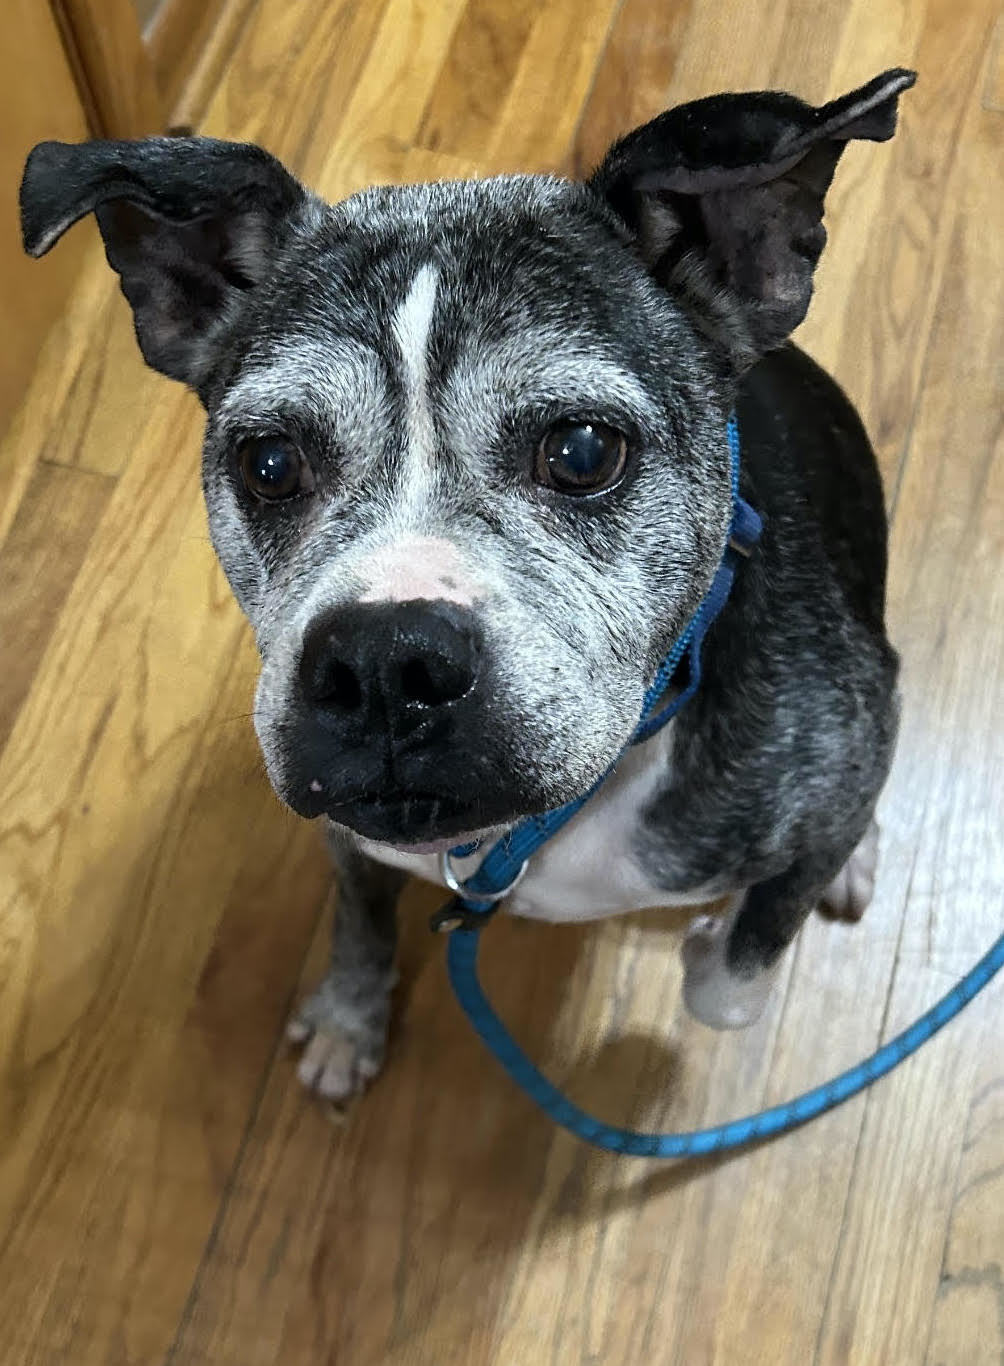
{"points": [[581, 457], [272, 468]]}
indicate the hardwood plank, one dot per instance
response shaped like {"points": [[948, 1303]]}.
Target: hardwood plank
{"points": [[537, 122], [636, 78], [993, 89], [64, 352], [889, 218], [293, 74], [76, 862], [382, 118], [967, 1325], [662, 53], [111, 398], [489, 39], [353, 1230], [61, 508]]}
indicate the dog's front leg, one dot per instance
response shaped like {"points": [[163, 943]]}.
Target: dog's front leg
{"points": [[731, 960], [344, 1023]]}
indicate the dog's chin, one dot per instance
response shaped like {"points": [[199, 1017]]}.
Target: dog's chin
{"points": [[420, 821], [443, 846], [413, 823]]}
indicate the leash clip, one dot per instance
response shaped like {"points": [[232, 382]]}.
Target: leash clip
{"points": [[456, 916]]}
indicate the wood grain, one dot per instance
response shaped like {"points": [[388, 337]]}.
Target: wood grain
{"points": [[167, 1194], [946, 551], [107, 44], [197, 77], [111, 397], [993, 88], [38, 99], [461, 114], [174, 39], [60, 358], [61, 508]]}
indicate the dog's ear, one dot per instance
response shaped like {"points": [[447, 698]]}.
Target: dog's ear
{"points": [[724, 198], [190, 225]]}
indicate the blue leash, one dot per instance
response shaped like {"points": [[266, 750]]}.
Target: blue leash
{"points": [[477, 898], [463, 969]]}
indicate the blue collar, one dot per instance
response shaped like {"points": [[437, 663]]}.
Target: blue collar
{"points": [[478, 896]]}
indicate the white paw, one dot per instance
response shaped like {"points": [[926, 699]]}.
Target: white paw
{"points": [[849, 893], [712, 993], [343, 1049]]}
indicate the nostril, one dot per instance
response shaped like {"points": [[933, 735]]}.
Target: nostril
{"points": [[327, 679], [341, 687], [417, 684], [383, 658], [432, 682]]}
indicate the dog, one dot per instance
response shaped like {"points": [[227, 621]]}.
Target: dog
{"points": [[466, 472]]}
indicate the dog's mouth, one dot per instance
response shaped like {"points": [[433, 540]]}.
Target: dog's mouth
{"points": [[418, 822]]}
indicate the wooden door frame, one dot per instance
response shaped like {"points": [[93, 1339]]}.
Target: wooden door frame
{"points": [[114, 70], [135, 81]]}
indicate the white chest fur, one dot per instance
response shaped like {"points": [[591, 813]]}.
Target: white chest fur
{"points": [[589, 869]]}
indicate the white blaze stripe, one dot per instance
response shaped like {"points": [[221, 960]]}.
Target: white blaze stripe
{"points": [[407, 564], [411, 324]]}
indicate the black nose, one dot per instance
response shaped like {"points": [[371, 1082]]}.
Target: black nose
{"points": [[398, 657]]}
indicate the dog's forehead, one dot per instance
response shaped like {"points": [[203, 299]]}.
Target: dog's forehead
{"points": [[505, 250], [438, 203], [502, 285]]}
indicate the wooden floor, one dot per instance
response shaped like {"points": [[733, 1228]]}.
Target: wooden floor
{"points": [[166, 1192]]}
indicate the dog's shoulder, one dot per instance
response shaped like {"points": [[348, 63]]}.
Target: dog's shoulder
{"points": [[786, 744]]}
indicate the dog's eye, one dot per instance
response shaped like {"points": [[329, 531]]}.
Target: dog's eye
{"points": [[272, 468], [581, 457]]}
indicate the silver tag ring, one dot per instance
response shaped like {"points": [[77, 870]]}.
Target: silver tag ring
{"points": [[485, 898]]}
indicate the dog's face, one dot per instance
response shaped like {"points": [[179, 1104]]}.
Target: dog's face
{"points": [[465, 462], [508, 488]]}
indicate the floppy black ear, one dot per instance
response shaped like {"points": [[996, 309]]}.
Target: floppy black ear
{"points": [[725, 200], [190, 225]]}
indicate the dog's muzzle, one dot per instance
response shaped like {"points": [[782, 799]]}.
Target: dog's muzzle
{"points": [[385, 688]]}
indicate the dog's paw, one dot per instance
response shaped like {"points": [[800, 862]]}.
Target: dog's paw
{"points": [[711, 992], [343, 1047], [848, 895]]}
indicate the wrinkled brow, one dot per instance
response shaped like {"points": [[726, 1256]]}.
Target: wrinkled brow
{"points": [[492, 379], [338, 385]]}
